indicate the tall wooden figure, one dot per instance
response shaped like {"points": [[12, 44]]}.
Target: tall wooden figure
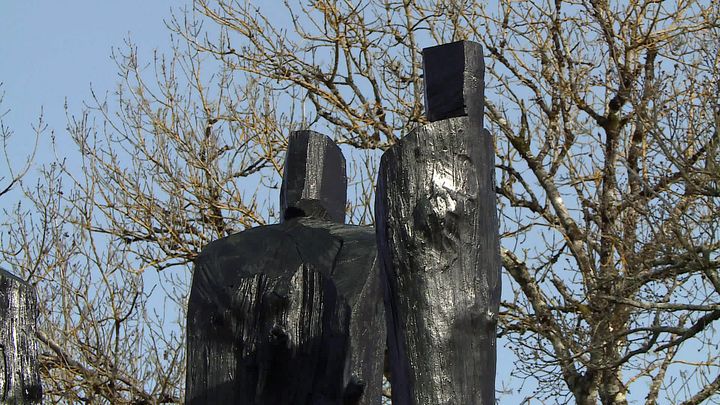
{"points": [[19, 367], [437, 235], [290, 313]]}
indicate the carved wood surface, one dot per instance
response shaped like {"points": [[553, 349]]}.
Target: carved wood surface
{"points": [[290, 313], [19, 374], [438, 241], [287, 314]]}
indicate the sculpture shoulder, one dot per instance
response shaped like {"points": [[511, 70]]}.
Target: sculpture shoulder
{"points": [[341, 231], [249, 243], [271, 249]]}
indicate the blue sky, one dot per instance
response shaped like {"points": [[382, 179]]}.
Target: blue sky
{"points": [[52, 51]]}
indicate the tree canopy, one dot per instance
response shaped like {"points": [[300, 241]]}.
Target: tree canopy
{"points": [[606, 122]]}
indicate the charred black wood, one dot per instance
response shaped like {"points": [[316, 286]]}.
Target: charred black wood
{"points": [[19, 373], [290, 313], [438, 241], [454, 81], [314, 172]]}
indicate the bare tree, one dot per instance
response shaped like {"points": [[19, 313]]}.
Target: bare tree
{"points": [[12, 175], [607, 124], [606, 118], [152, 183]]}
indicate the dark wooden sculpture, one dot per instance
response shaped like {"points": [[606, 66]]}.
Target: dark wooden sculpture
{"points": [[19, 374], [437, 235], [290, 313]]}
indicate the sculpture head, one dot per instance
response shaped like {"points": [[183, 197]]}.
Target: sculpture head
{"points": [[454, 77], [314, 182]]}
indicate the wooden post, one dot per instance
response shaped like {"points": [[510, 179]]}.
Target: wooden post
{"points": [[19, 375], [438, 240], [290, 313]]}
